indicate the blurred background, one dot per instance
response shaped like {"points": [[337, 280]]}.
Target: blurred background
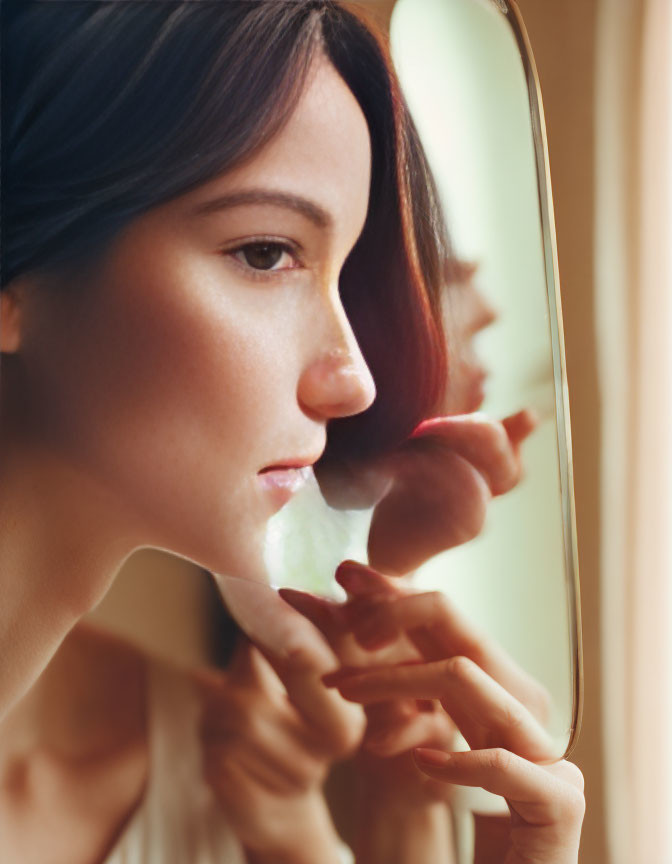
{"points": [[606, 77], [605, 68]]}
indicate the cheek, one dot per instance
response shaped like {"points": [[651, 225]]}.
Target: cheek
{"points": [[171, 365]]}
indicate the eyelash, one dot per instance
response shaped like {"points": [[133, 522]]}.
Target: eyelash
{"points": [[259, 272]]}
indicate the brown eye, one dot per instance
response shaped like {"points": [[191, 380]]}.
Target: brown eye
{"points": [[262, 256]]}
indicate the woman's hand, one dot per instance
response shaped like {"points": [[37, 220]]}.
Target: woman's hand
{"points": [[510, 756], [494, 704], [266, 761], [270, 731]]}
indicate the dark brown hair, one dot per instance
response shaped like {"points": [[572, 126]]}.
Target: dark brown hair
{"points": [[112, 107]]}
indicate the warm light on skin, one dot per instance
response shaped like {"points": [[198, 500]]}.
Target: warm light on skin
{"points": [[171, 372], [190, 370]]}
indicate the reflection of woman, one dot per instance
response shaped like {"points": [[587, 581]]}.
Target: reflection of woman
{"points": [[184, 185]]}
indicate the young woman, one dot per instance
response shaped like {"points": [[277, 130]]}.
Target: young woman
{"points": [[177, 319], [219, 236]]}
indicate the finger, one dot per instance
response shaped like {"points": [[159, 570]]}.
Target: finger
{"points": [[278, 767], [299, 655], [362, 581], [438, 630], [440, 501], [273, 625], [271, 733], [519, 426], [481, 441], [446, 632], [331, 724], [249, 668], [248, 672], [383, 716], [424, 730], [326, 615], [486, 714], [539, 794], [332, 620]]}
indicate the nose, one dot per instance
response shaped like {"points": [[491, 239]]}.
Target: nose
{"points": [[336, 382], [483, 313]]}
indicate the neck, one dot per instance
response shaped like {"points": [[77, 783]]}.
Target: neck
{"points": [[60, 547], [88, 702]]}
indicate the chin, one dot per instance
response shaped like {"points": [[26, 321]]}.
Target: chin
{"points": [[241, 557], [236, 550]]}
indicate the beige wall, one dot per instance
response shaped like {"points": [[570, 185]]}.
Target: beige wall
{"points": [[563, 40]]}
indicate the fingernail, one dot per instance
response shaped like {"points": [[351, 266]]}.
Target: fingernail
{"points": [[352, 574], [429, 425], [431, 758]]}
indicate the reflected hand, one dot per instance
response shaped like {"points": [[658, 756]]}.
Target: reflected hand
{"points": [[432, 493], [443, 478]]}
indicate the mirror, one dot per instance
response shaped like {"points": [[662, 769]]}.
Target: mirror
{"points": [[468, 76], [475, 102]]}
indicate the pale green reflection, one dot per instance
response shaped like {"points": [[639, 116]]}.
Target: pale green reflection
{"points": [[462, 76]]}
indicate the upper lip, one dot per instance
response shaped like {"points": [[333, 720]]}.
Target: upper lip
{"points": [[288, 464]]}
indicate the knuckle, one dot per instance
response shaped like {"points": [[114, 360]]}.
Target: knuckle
{"points": [[441, 604], [438, 598], [496, 437], [309, 772], [347, 738], [254, 727], [499, 760], [474, 514], [573, 775], [574, 805], [541, 703], [474, 649], [513, 716], [459, 667]]}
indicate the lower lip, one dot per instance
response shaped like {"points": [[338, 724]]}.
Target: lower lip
{"points": [[282, 483]]}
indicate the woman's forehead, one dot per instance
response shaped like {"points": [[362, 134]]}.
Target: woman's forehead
{"points": [[319, 161]]}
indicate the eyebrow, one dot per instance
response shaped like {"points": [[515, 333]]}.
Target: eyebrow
{"points": [[305, 207]]}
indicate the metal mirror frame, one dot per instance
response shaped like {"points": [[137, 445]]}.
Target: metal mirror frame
{"points": [[511, 12]]}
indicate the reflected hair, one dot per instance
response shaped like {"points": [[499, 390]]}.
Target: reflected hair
{"points": [[110, 108]]}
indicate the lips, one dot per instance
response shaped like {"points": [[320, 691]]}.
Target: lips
{"points": [[281, 482]]}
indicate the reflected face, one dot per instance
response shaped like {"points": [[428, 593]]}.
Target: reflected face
{"points": [[193, 369], [466, 313]]}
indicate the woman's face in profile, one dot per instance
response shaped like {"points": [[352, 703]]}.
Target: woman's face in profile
{"points": [[191, 371]]}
